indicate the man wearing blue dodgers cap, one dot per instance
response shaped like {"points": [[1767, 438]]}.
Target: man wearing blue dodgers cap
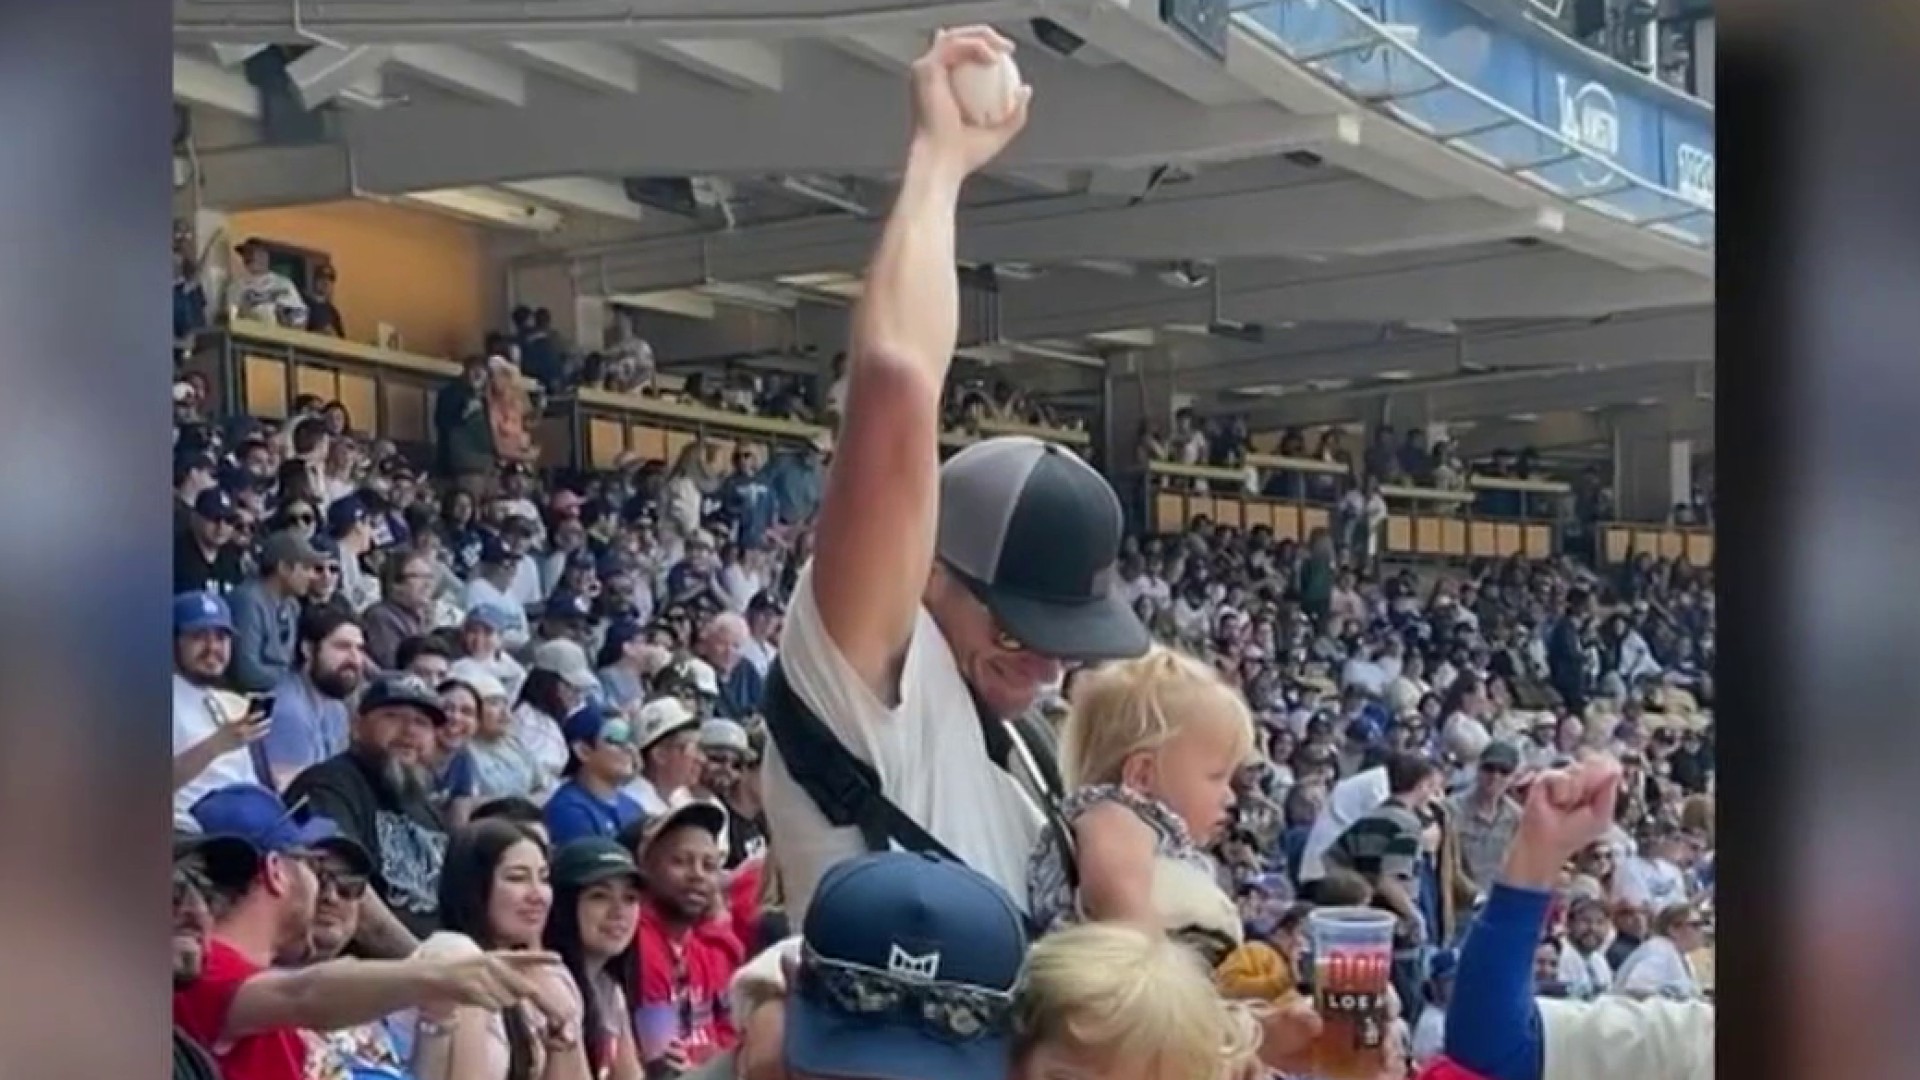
{"points": [[212, 728], [908, 967], [599, 761], [250, 1014]]}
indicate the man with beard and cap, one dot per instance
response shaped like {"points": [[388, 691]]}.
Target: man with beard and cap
{"points": [[380, 792]]}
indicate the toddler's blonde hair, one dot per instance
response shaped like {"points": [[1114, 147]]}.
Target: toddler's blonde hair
{"points": [[1134, 705], [1123, 993]]}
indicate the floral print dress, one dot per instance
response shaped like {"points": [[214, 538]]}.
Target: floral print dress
{"points": [[1050, 887]]}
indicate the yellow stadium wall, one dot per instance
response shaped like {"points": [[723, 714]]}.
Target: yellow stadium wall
{"points": [[425, 274]]}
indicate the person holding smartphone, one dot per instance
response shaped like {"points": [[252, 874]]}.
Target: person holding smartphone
{"points": [[213, 728]]}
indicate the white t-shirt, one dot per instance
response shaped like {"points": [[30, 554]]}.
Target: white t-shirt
{"points": [[1656, 967], [539, 734], [525, 587], [642, 790], [1653, 882], [1349, 801], [483, 593], [1585, 974], [192, 722], [1613, 1037], [267, 298], [928, 751], [1429, 1035]]}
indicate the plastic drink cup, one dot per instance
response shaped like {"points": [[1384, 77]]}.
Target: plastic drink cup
{"points": [[1352, 969]]}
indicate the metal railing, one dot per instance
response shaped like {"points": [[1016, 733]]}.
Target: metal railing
{"points": [[1376, 63]]}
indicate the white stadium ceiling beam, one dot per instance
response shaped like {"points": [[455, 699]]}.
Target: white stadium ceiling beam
{"points": [[833, 117], [888, 52], [752, 66], [210, 86], [602, 197], [466, 73], [601, 68], [325, 72], [1501, 282], [1306, 354], [1498, 395]]}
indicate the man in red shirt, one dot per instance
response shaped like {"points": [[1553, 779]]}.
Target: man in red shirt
{"points": [[687, 951], [249, 1015]]}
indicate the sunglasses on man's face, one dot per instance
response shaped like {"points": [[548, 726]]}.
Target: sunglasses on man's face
{"points": [[347, 885], [300, 519]]}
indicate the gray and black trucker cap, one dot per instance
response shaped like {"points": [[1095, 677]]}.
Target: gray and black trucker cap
{"points": [[1034, 532]]}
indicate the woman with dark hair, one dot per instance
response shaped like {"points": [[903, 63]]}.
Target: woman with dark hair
{"points": [[298, 513], [596, 910], [494, 895], [294, 482]]}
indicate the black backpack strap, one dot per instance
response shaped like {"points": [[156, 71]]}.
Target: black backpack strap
{"points": [[845, 788], [1026, 744]]}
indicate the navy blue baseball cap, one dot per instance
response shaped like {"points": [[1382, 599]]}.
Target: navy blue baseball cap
{"points": [[255, 814], [215, 504], [908, 968], [593, 725], [565, 604], [493, 549], [345, 514], [236, 480], [197, 611], [621, 631]]}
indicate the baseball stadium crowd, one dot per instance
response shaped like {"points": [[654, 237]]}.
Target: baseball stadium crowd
{"points": [[834, 760]]}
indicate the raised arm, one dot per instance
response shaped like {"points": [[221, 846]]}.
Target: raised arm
{"points": [[876, 525]]}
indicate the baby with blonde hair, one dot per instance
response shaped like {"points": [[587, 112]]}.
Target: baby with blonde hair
{"points": [[1148, 754], [1124, 1003]]}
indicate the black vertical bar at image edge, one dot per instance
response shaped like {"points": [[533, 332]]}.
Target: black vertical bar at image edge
{"points": [[1759, 85]]}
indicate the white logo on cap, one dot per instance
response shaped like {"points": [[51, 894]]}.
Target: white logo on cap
{"points": [[913, 968]]}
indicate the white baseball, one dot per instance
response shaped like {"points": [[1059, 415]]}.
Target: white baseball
{"points": [[986, 93]]}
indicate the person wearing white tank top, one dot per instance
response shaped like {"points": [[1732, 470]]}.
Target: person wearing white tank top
{"points": [[937, 593]]}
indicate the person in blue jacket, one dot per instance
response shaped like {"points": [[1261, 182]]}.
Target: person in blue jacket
{"points": [[589, 802], [1497, 1029]]}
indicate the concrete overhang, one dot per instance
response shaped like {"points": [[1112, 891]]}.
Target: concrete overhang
{"points": [[1683, 336], [483, 22], [1496, 395], [1690, 419], [1500, 281], [1255, 209]]}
